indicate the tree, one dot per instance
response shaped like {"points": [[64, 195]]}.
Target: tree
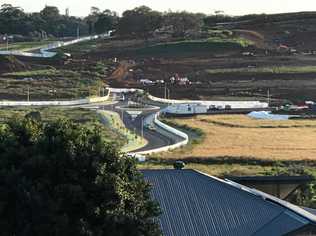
{"points": [[140, 22], [34, 115], [50, 12], [64, 179], [183, 22], [105, 21], [13, 20]]}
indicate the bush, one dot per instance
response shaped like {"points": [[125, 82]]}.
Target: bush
{"points": [[60, 178]]}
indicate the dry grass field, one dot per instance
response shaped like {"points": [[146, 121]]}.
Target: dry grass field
{"points": [[244, 137]]}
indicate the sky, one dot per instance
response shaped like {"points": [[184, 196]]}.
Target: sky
{"points": [[231, 7]]}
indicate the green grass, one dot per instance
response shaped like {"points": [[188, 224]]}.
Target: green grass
{"points": [[235, 168], [211, 45], [45, 72], [235, 40], [266, 70], [219, 170], [134, 141], [25, 46], [79, 48], [49, 84], [85, 117]]}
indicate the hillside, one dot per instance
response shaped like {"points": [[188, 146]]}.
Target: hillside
{"points": [[295, 30]]}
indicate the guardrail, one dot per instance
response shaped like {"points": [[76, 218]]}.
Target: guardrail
{"points": [[169, 147]]}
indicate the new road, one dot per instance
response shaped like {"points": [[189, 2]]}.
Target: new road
{"points": [[138, 121]]}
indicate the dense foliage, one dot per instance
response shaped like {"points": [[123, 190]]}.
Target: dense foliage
{"points": [[62, 179], [49, 22], [140, 22], [13, 20]]}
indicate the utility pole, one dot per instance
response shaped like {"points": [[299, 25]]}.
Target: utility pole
{"points": [[28, 93], [78, 31], [142, 128], [165, 91], [6, 38], [268, 96]]}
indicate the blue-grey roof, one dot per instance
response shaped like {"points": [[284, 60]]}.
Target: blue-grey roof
{"points": [[196, 204]]}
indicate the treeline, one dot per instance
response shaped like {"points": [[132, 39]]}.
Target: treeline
{"points": [[141, 22], [48, 22]]}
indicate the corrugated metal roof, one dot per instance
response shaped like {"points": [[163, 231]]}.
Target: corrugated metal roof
{"points": [[196, 204]]}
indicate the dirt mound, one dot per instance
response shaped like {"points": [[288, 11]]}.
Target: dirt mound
{"points": [[11, 64], [121, 76], [253, 36]]}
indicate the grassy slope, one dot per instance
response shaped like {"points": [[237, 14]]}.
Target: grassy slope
{"points": [[68, 84], [81, 116], [242, 137], [134, 142], [212, 45], [25, 46], [268, 70], [231, 165]]}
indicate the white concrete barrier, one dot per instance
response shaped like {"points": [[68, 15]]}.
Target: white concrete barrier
{"points": [[170, 129], [44, 51], [124, 90], [233, 104], [82, 101]]}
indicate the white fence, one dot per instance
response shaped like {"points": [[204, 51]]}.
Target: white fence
{"points": [[172, 130], [44, 51], [233, 104], [82, 101], [124, 90]]}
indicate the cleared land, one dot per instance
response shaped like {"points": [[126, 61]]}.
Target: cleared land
{"points": [[239, 136], [268, 70], [51, 80]]}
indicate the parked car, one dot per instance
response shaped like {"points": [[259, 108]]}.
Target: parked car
{"points": [[228, 107], [150, 127]]}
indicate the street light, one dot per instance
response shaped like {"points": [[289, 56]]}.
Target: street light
{"points": [[78, 31], [28, 93], [6, 38]]}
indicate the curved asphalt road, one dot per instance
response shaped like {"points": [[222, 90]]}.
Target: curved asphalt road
{"points": [[156, 139]]}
